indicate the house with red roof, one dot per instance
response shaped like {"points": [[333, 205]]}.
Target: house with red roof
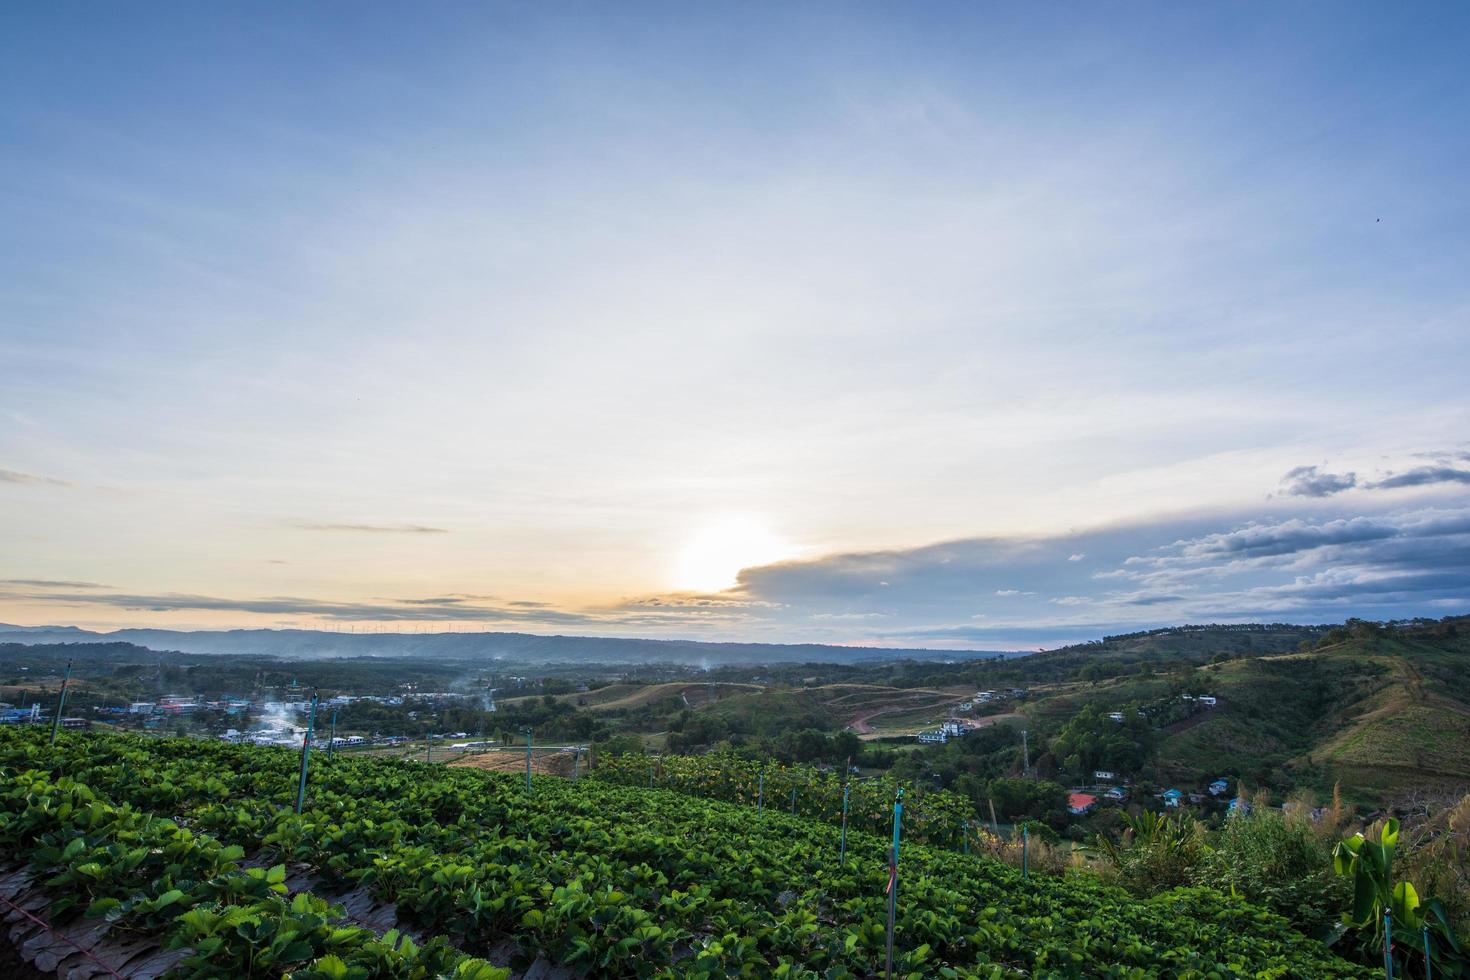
{"points": [[1080, 803]]}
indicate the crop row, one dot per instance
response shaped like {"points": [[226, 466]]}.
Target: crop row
{"points": [[148, 876], [934, 817], [622, 881]]}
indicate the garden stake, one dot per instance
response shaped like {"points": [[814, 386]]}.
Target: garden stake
{"points": [[305, 755], [60, 703], [1388, 944], [893, 879], [842, 847]]}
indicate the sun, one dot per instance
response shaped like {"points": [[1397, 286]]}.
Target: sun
{"points": [[714, 555]]}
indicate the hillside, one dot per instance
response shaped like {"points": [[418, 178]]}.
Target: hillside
{"points": [[476, 646], [586, 878], [1379, 714]]}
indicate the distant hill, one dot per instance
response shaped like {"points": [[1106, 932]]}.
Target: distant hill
{"points": [[1381, 712], [1382, 709], [519, 647]]}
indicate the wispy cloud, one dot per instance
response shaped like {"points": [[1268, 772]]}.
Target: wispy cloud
{"points": [[46, 583], [15, 476], [1422, 476], [375, 528]]}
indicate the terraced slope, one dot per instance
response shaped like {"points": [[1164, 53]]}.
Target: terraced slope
{"points": [[170, 838]]}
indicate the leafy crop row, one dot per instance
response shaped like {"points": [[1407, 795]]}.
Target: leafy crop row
{"points": [[934, 817], [623, 881], [149, 876]]}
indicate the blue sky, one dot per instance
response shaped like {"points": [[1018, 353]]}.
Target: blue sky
{"points": [[829, 322]]}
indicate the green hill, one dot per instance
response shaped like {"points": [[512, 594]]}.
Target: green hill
{"points": [[1380, 714]]}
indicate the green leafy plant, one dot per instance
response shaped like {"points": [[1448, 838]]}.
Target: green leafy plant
{"points": [[1380, 904]]}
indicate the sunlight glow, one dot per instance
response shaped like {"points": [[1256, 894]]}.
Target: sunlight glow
{"points": [[715, 554]]}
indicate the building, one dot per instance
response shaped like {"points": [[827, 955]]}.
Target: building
{"points": [[936, 737], [953, 728], [1115, 716], [1238, 805], [1080, 803], [1207, 700], [1219, 787], [1104, 775], [1117, 794], [1173, 798]]}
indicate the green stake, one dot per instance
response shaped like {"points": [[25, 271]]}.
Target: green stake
{"points": [[760, 796], [60, 703], [428, 746], [1025, 852], [1428, 960], [1388, 943], [842, 847], [305, 755], [332, 745], [893, 880], [965, 835], [528, 760], [793, 801]]}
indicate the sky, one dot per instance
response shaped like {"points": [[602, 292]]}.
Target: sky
{"points": [[961, 325]]}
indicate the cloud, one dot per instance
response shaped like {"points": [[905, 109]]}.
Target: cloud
{"points": [[46, 583], [1423, 476], [15, 476], [1308, 481], [409, 610], [1076, 556], [376, 528]]}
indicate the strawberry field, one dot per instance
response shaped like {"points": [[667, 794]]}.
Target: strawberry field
{"points": [[192, 843]]}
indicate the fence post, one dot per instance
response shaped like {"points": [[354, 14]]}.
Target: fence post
{"points": [[305, 755], [332, 745], [1025, 852], [60, 703], [893, 880], [429, 746]]}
